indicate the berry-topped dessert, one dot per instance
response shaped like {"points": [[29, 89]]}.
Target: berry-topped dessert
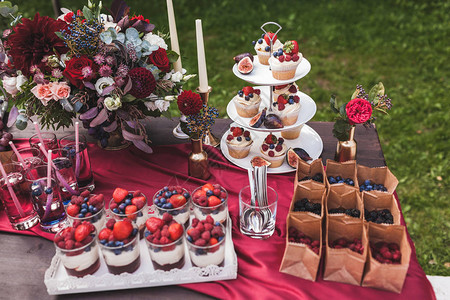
{"points": [[382, 216], [339, 179], [210, 200], [306, 205], [175, 201], [77, 249], [165, 241], [352, 212], [386, 253], [287, 105], [87, 207], [247, 102], [296, 236], [284, 62], [206, 242], [262, 46], [239, 142], [273, 149], [341, 243], [369, 185], [119, 243], [131, 205]]}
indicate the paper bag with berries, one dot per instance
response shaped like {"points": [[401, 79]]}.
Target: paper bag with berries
{"points": [[376, 180], [345, 202], [308, 201], [381, 208], [346, 250], [341, 173], [303, 247], [311, 175], [388, 258]]}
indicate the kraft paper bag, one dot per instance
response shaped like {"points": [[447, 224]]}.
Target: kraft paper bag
{"points": [[298, 259], [344, 265], [313, 195], [345, 169], [390, 277], [381, 201], [381, 175], [346, 197], [304, 169]]}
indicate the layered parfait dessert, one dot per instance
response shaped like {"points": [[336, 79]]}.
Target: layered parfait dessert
{"points": [[119, 243], [87, 207], [206, 242], [165, 242], [77, 248], [239, 142], [247, 102], [210, 200], [174, 200], [273, 150]]}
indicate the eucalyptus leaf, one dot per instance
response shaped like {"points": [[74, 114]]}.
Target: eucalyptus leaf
{"points": [[333, 104], [377, 89], [132, 34]]}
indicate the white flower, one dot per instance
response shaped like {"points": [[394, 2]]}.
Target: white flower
{"points": [[168, 75], [150, 105], [112, 103], [187, 77], [102, 83], [170, 98], [12, 85], [177, 77], [108, 22], [154, 39], [162, 105]]}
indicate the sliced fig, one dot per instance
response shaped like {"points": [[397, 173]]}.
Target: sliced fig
{"points": [[272, 121], [293, 154], [245, 66], [258, 161], [239, 57], [258, 120]]}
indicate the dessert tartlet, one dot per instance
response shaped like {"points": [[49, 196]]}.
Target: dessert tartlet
{"points": [[119, 243], [284, 62], [206, 242], [87, 207], [131, 205], [165, 242], [287, 107], [262, 47], [239, 142], [210, 200], [77, 248], [174, 200], [247, 102], [273, 150]]}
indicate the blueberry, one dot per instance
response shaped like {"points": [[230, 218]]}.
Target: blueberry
{"points": [[168, 194], [122, 207], [291, 101], [384, 189], [162, 200], [272, 146], [280, 52], [262, 35], [275, 103], [165, 188], [80, 215], [241, 93], [341, 181], [267, 48], [117, 251], [351, 182], [156, 201], [134, 232], [253, 43], [186, 195], [275, 54], [169, 205], [116, 210], [91, 208], [110, 244], [209, 193], [369, 187], [199, 252], [220, 238], [156, 250], [239, 138], [84, 211], [332, 180], [247, 98], [48, 190], [127, 202], [361, 188], [338, 178], [147, 233], [117, 243], [174, 192], [103, 242], [367, 182], [250, 95], [37, 192], [159, 194], [189, 238], [260, 41], [217, 223], [222, 200], [247, 138], [84, 205], [140, 214], [130, 195]]}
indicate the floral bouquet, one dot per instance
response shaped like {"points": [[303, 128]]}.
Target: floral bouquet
{"points": [[199, 116], [111, 70], [359, 110]]}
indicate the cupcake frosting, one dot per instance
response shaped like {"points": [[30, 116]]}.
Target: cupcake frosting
{"points": [[239, 137], [262, 47], [248, 96], [276, 63], [273, 146]]}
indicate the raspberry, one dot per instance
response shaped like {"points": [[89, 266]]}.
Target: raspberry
{"points": [[195, 222], [271, 153], [265, 147], [229, 137], [295, 57], [208, 226], [206, 235], [167, 217], [280, 140], [200, 227], [281, 106], [85, 194], [281, 58], [278, 148], [232, 128], [195, 234], [164, 240], [200, 242], [288, 58], [296, 99], [209, 220], [257, 91], [110, 224], [237, 131], [246, 133], [217, 232]]}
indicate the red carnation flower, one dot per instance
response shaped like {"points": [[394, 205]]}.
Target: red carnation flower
{"points": [[189, 103], [143, 82], [358, 111], [34, 39]]}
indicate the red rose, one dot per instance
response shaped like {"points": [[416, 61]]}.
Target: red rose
{"points": [[79, 69], [160, 60], [358, 111]]}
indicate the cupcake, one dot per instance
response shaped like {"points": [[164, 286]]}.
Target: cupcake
{"points": [[284, 62], [273, 150], [247, 102], [285, 89], [239, 142], [262, 47], [292, 134], [287, 106]]}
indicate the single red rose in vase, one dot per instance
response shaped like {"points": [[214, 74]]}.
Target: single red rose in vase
{"points": [[160, 60], [189, 103], [79, 69], [358, 111]]}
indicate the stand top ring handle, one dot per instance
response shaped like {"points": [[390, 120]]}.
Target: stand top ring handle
{"points": [[271, 23]]}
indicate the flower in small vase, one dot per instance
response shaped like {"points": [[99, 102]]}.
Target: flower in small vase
{"points": [[358, 111], [189, 103]]}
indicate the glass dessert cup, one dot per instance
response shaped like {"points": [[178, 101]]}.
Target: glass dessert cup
{"points": [[98, 219], [167, 257], [32, 157], [139, 217], [179, 214], [80, 261], [203, 256], [49, 138], [218, 212]]}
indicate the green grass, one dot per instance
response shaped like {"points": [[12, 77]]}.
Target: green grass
{"points": [[403, 43]]}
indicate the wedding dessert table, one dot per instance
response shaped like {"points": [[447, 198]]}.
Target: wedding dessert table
{"points": [[25, 256]]}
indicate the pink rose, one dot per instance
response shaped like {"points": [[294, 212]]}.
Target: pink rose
{"points": [[43, 92], [358, 111], [60, 90]]}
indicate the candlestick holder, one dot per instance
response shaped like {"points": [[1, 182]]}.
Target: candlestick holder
{"points": [[209, 138]]}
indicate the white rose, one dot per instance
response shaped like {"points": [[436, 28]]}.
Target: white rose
{"points": [[177, 77], [12, 85], [102, 83], [162, 105], [112, 103], [150, 105], [154, 39]]}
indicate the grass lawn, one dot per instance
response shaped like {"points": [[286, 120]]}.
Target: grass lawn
{"points": [[404, 44]]}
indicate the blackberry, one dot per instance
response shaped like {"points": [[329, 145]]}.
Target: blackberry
{"points": [[338, 210], [305, 205], [318, 177], [305, 178]]}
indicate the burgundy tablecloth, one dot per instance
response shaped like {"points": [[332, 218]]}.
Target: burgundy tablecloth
{"points": [[258, 260]]}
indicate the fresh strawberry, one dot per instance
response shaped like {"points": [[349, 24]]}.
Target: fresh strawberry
{"points": [[73, 210], [281, 99], [208, 186], [248, 90], [104, 234], [175, 231], [82, 231], [290, 47], [153, 224], [119, 194], [139, 201], [122, 229], [213, 201], [270, 35], [177, 200], [130, 211], [292, 89]]}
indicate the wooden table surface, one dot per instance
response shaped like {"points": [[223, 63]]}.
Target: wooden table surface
{"points": [[24, 259]]}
